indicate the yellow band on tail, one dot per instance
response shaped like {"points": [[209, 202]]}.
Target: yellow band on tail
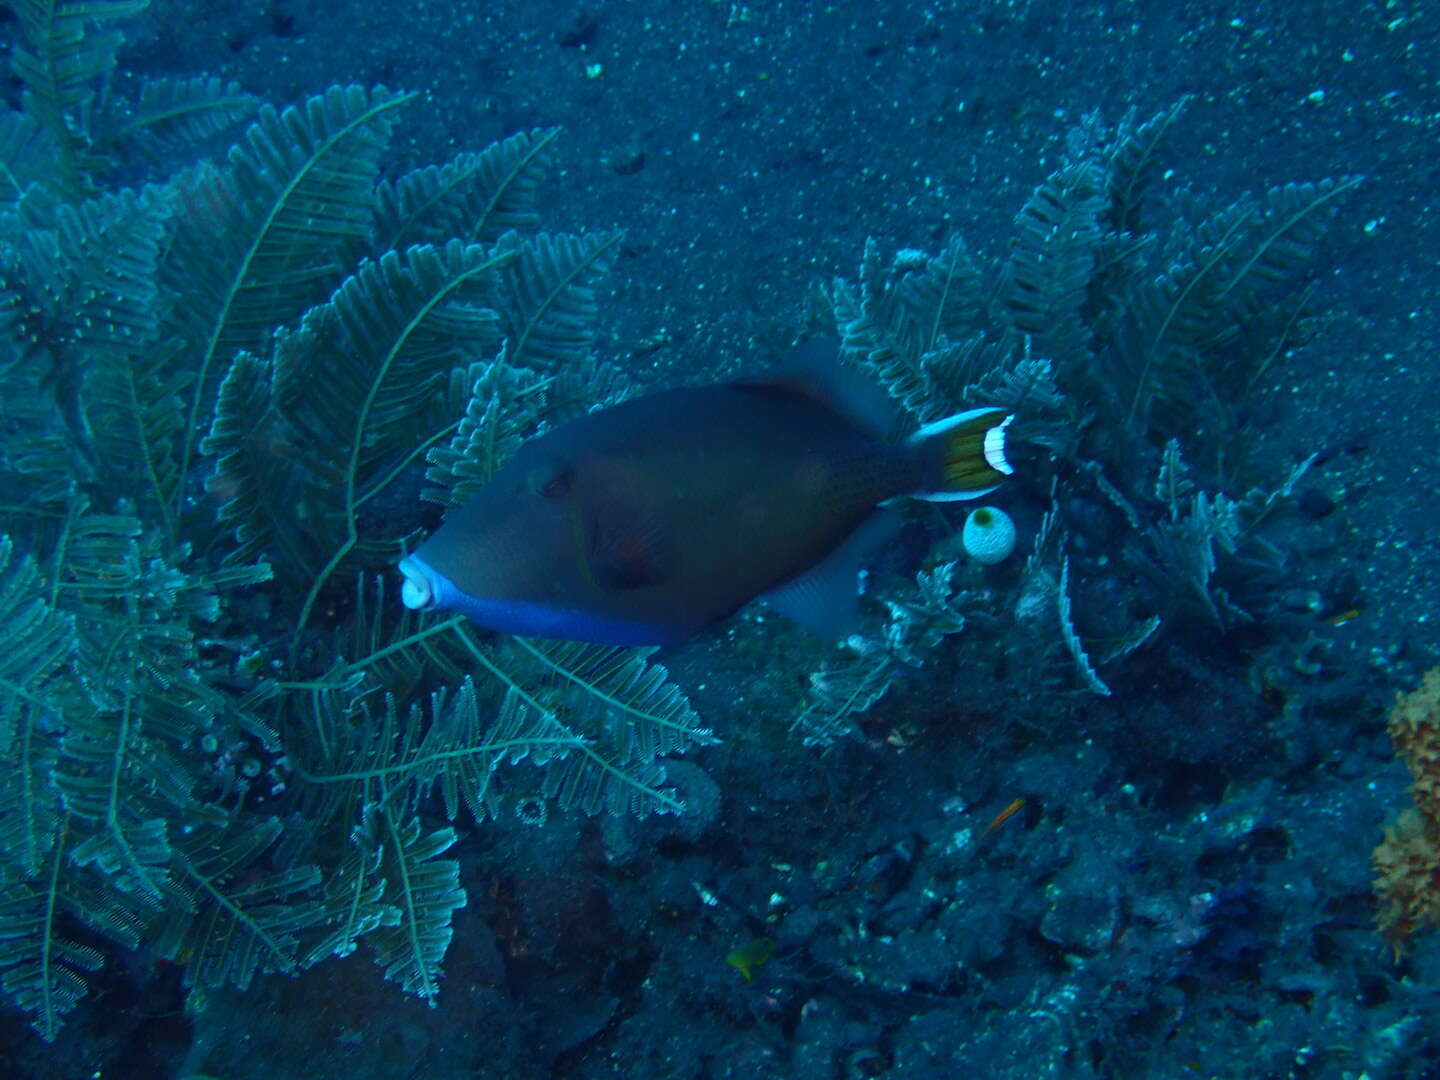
{"points": [[971, 452]]}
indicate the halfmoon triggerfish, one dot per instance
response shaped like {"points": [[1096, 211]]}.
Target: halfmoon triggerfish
{"points": [[641, 523]]}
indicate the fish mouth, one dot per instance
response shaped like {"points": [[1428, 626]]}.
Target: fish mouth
{"points": [[418, 592]]}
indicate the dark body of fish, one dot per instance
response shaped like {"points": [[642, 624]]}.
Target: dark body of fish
{"points": [[641, 523]]}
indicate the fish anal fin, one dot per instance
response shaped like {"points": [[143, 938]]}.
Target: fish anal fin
{"points": [[825, 598]]}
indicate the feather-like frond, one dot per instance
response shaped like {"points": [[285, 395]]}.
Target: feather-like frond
{"points": [[362, 384], [624, 681], [579, 389], [87, 295], [952, 372], [29, 805], [1130, 159], [504, 406], [599, 719], [254, 476], [1071, 637], [1290, 224], [27, 162], [1052, 258], [628, 713], [174, 118], [470, 740], [361, 380], [126, 760], [354, 398], [38, 457], [456, 745], [261, 241], [901, 320], [99, 760], [35, 640], [353, 901], [1206, 287], [1173, 485], [547, 296], [242, 916], [422, 888], [136, 410], [839, 694], [921, 301], [61, 62], [45, 972], [474, 197], [146, 729]]}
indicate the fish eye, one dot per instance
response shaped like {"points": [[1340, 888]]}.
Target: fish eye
{"points": [[553, 482]]}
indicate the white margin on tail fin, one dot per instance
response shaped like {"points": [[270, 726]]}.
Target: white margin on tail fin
{"points": [[994, 438], [995, 447]]}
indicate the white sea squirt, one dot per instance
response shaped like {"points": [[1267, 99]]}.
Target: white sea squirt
{"points": [[988, 535]]}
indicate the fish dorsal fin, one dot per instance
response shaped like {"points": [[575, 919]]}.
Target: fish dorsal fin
{"points": [[814, 371], [825, 598]]}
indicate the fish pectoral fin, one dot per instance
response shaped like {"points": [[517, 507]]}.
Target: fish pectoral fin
{"points": [[630, 550], [825, 598]]}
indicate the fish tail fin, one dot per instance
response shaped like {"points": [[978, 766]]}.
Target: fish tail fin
{"points": [[962, 456]]}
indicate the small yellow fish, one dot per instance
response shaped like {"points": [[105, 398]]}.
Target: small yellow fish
{"points": [[748, 957]]}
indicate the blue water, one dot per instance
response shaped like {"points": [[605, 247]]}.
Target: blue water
{"points": [[1105, 808]]}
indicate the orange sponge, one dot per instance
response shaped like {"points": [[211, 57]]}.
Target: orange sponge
{"points": [[1408, 859]]}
